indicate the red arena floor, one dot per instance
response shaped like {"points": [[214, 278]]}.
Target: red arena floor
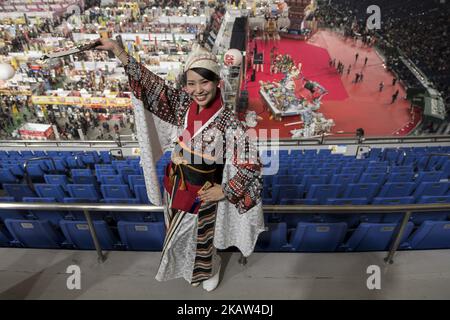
{"points": [[351, 105]]}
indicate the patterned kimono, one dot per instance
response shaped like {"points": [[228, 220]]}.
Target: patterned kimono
{"points": [[217, 149]]}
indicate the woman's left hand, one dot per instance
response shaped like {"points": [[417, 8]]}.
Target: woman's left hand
{"points": [[213, 194]]}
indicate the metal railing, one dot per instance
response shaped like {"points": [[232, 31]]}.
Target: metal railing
{"points": [[321, 140], [286, 209]]}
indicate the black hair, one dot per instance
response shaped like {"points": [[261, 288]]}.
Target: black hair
{"points": [[205, 73]]}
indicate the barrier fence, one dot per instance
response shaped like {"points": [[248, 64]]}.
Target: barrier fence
{"points": [[407, 210]]}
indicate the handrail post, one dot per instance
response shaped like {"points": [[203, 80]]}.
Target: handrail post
{"points": [[101, 258], [242, 260], [398, 238]]}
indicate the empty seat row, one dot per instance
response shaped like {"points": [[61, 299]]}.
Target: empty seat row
{"points": [[330, 237], [75, 234]]}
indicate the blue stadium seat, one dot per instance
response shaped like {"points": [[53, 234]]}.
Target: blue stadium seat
{"points": [[79, 215], [105, 172], [375, 236], [5, 237], [419, 217], [307, 202], [104, 167], [147, 236], [77, 234], [57, 165], [141, 194], [318, 237], [50, 191], [428, 176], [430, 235], [113, 179], [401, 177], [391, 201], [397, 189], [361, 190], [286, 192], [83, 191], [374, 170], [431, 189], [351, 219], [106, 156], [16, 169], [10, 214], [39, 153], [309, 179], [74, 162], [283, 179], [346, 201], [14, 154], [135, 180], [84, 180], [81, 172], [129, 215], [34, 234], [6, 176], [322, 192], [118, 191], [26, 153], [36, 171], [343, 179], [274, 239], [292, 219], [53, 216], [59, 179], [357, 170], [326, 171], [402, 169], [18, 191], [378, 178], [126, 171]]}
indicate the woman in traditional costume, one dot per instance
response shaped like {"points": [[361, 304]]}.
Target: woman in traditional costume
{"points": [[212, 185]]}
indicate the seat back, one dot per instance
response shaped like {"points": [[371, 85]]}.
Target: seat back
{"points": [[376, 236], [83, 191], [34, 233], [54, 216], [18, 191], [322, 192], [431, 235], [50, 191], [117, 191], [274, 239], [318, 237], [142, 236], [77, 234]]}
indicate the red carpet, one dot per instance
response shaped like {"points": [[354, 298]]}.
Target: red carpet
{"points": [[350, 105]]}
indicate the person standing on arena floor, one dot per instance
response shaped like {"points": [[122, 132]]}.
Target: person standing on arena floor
{"points": [[381, 86], [394, 96], [199, 218]]}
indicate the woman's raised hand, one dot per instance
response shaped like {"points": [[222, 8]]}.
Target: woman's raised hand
{"points": [[108, 45]]}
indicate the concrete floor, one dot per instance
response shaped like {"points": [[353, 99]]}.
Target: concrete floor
{"points": [[41, 274]]}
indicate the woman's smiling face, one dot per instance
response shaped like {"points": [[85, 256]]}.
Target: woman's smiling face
{"points": [[202, 90]]}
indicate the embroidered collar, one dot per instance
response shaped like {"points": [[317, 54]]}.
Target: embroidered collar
{"points": [[203, 116]]}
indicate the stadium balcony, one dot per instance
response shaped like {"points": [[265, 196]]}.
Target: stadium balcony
{"points": [[373, 196]]}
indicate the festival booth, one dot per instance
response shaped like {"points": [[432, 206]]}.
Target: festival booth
{"points": [[36, 131]]}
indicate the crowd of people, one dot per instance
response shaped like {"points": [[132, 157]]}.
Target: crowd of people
{"points": [[426, 20]]}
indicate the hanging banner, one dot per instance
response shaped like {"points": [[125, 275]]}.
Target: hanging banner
{"points": [[92, 102]]}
